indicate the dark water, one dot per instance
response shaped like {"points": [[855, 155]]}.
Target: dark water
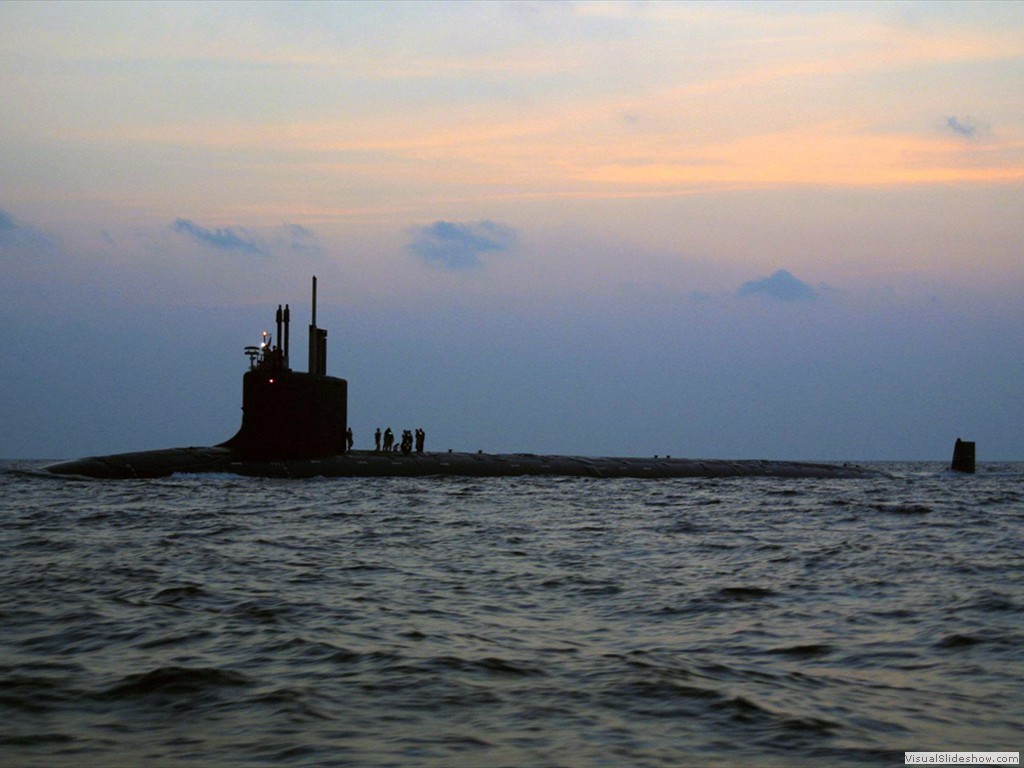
{"points": [[221, 621]]}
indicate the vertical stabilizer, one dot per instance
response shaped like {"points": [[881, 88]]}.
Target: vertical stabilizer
{"points": [[963, 456]]}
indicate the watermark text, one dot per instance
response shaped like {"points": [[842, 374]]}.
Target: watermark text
{"points": [[961, 758]]}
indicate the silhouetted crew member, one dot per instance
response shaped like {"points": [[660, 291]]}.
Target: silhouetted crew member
{"points": [[406, 441], [348, 437], [421, 436], [389, 439], [376, 440]]}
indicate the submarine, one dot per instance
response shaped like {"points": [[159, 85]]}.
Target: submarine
{"points": [[295, 424]]}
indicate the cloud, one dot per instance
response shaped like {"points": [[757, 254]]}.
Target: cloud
{"points": [[227, 239], [782, 286], [288, 238], [457, 246], [15, 236], [299, 239], [965, 127]]}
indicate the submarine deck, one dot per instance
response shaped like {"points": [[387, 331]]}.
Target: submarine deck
{"points": [[218, 459]]}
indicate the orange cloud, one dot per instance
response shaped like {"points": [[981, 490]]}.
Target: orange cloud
{"points": [[823, 156]]}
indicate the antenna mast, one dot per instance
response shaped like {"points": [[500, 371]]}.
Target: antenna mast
{"points": [[317, 343]]}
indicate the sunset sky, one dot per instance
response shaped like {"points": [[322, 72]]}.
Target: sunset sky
{"points": [[730, 230]]}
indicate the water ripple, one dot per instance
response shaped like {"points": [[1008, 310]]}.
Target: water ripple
{"points": [[225, 621]]}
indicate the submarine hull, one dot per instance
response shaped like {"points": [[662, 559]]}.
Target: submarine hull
{"points": [[223, 459], [295, 424]]}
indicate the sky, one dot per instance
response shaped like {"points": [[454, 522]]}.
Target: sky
{"points": [[723, 230]]}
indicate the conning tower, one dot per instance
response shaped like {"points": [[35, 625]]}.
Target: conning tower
{"points": [[289, 414]]}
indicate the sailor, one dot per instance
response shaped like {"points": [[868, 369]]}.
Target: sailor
{"points": [[376, 440], [420, 437], [389, 439], [348, 437]]}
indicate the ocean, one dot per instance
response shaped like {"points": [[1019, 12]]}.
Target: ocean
{"points": [[214, 620]]}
